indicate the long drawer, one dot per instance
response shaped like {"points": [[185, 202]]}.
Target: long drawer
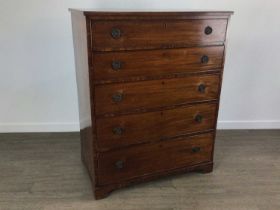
{"points": [[154, 126], [127, 35], [126, 164], [117, 65], [113, 98]]}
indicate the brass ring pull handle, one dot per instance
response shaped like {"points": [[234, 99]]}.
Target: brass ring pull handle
{"points": [[118, 130], [116, 65], [119, 164], [116, 33], [201, 88], [117, 97], [198, 118], [195, 149], [204, 59], [208, 30]]}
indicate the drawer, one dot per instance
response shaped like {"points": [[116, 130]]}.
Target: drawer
{"points": [[148, 159], [131, 96], [154, 126], [125, 64], [149, 34]]}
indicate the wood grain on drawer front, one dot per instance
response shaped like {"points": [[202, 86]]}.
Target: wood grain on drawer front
{"points": [[156, 34], [123, 97], [154, 126], [142, 160], [116, 65]]}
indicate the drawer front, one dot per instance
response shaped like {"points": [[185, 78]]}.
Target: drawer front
{"points": [[153, 126], [142, 160], [116, 65], [113, 98], [125, 35]]}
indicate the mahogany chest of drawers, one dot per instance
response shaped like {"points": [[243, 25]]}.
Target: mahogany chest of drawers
{"points": [[148, 87]]}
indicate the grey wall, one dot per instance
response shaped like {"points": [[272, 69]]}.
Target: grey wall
{"points": [[37, 82]]}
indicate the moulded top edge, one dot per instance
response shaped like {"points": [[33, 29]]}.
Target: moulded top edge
{"points": [[98, 15]]}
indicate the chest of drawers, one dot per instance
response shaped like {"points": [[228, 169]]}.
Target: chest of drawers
{"points": [[148, 87]]}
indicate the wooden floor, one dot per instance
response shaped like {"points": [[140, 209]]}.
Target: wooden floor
{"points": [[44, 171]]}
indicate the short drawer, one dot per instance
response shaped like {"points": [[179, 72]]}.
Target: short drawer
{"points": [[147, 159], [124, 97], [154, 126], [126, 64], [147, 34]]}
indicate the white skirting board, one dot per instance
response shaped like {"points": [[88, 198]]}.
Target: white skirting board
{"points": [[39, 127], [256, 124], [74, 126]]}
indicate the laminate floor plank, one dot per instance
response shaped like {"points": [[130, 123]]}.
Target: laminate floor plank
{"points": [[44, 171]]}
